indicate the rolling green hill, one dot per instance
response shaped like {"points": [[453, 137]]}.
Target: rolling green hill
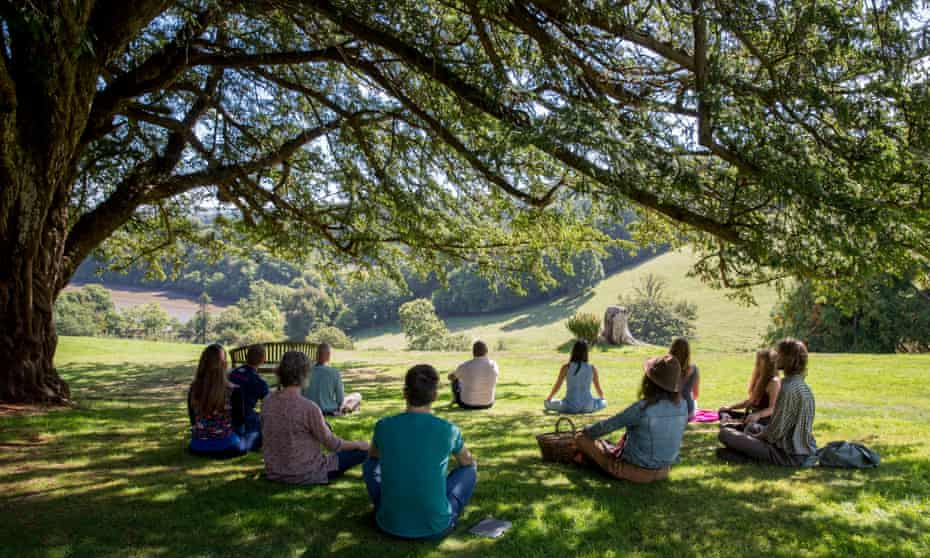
{"points": [[722, 324]]}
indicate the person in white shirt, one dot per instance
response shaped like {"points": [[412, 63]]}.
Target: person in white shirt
{"points": [[473, 382]]}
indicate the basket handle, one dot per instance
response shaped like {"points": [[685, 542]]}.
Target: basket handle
{"points": [[558, 422]]}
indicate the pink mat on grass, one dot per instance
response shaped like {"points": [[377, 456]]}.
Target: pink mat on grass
{"points": [[705, 415]]}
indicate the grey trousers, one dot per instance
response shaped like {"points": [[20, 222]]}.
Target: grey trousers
{"points": [[757, 449]]}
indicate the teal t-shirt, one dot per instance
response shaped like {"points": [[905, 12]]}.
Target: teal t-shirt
{"points": [[414, 452], [325, 388]]}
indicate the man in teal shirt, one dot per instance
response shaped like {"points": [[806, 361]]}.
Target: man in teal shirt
{"points": [[325, 387], [406, 469]]}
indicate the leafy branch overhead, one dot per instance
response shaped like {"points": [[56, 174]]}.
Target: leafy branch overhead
{"points": [[779, 141]]}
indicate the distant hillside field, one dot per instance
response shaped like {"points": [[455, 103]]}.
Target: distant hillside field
{"points": [[177, 304], [722, 324]]}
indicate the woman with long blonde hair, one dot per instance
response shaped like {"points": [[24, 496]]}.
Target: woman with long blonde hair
{"points": [[764, 386], [211, 402]]}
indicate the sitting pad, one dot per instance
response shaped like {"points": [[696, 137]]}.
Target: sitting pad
{"points": [[705, 415]]}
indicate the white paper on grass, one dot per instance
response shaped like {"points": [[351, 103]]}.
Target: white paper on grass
{"points": [[490, 527]]}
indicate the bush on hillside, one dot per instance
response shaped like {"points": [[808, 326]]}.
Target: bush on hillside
{"points": [[584, 326], [425, 331], [654, 317], [86, 311], [888, 315], [332, 335]]}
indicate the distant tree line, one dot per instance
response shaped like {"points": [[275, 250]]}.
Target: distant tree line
{"points": [[354, 300]]}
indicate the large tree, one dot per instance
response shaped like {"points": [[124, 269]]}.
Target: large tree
{"points": [[776, 137]]}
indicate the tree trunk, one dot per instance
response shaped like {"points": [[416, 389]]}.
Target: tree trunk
{"points": [[30, 279], [616, 329], [47, 83]]}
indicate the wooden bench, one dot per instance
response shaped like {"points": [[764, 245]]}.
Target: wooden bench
{"points": [[273, 353]]}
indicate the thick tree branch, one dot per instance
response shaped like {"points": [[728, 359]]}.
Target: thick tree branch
{"points": [[114, 23], [439, 72], [442, 132], [251, 60], [156, 72], [576, 13]]}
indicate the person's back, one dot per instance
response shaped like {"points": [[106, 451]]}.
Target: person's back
{"points": [[656, 441], [654, 427], [325, 388], [252, 387], [792, 423], [687, 389], [578, 380], [414, 451], [477, 381], [295, 432], [405, 473]]}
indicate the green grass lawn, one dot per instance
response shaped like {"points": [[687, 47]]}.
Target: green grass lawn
{"points": [[722, 324], [112, 478]]}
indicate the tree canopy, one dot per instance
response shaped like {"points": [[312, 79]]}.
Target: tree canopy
{"points": [[777, 137]]}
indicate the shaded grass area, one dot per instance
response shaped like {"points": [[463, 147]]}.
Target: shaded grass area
{"points": [[110, 478]]}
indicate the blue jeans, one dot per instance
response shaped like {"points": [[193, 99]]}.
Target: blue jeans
{"points": [[347, 460], [219, 448], [561, 406], [460, 484], [251, 440]]}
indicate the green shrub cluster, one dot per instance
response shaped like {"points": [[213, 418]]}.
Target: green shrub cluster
{"points": [[90, 311], [425, 331], [584, 326], [888, 315], [332, 335], [654, 316]]}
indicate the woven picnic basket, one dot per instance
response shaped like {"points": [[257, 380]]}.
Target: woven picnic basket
{"points": [[558, 446]]}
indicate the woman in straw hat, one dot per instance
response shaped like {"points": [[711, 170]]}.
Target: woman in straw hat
{"points": [[654, 427]]}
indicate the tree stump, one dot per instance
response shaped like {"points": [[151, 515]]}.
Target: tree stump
{"points": [[616, 326]]}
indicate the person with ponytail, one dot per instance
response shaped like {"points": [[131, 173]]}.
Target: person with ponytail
{"points": [[654, 427], [578, 375], [212, 402]]}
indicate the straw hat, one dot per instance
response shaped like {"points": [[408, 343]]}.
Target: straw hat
{"points": [[664, 371]]}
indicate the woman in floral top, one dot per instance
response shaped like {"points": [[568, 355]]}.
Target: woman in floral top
{"points": [[211, 401]]}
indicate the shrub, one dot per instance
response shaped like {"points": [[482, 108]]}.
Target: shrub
{"points": [[425, 331], [584, 326], [654, 317], [332, 335], [886, 314]]}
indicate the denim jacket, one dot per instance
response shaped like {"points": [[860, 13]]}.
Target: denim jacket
{"points": [[653, 434]]}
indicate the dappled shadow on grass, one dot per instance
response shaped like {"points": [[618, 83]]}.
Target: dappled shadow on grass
{"points": [[561, 309], [112, 478]]}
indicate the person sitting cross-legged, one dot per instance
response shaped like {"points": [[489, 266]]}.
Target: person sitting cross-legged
{"points": [[326, 389], [473, 382], [406, 470], [788, 440], [253, 388], [764, 385], [654, 427], [578, 375], [213, 406], [295, 432]]}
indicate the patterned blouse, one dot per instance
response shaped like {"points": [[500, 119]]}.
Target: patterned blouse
{"points": [[215, 426], [792, 423], [294, 434]]}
